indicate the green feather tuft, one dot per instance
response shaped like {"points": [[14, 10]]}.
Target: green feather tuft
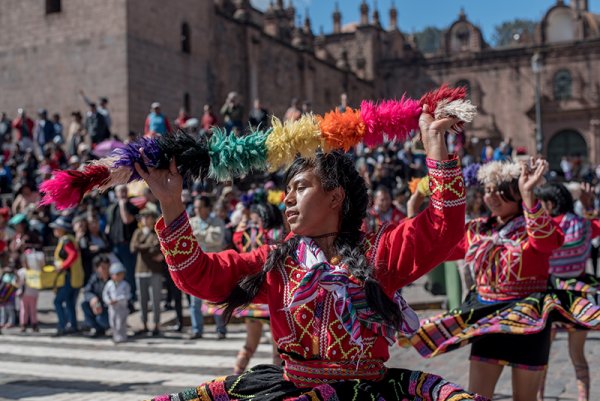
{"points": [[232, 156]]}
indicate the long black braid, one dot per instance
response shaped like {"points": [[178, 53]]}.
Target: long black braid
{"points": [[335, 170]]}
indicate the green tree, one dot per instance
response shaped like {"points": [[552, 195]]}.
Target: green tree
{"points": [[428, 40], [513, 31]]}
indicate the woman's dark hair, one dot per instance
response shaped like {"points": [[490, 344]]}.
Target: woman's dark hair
{"points": [[335, 170], [560, 197], [269, 214]]}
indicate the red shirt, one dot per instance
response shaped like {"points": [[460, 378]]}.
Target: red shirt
{"points": [[312, 340]]}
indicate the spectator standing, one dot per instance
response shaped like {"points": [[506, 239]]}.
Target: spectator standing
{"points": [[210, 232], [23, 126], [93, 306], [156, 122], [95, 125], [182, 118], [28, 299], [209, 119], [149, 267], [102, 108], [58, 128], [293, 113], [343, 103], [76, 133], [44, 130], [67, 260], [121, 224], [6, 235], [116, 294], [5, 129], [259, 116], [233, 113]]}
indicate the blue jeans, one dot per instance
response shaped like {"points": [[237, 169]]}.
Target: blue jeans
{"points": [[198, 319], [97, 322], [128, 260], [64, 304]]}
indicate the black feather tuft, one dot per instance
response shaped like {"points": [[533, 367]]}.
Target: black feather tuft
{"points": [[191, 155]]}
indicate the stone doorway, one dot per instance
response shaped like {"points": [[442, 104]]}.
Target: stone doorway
{"points": [[568, 143]]}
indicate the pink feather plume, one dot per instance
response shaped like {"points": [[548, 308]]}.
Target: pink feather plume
{"points": [[67, 188], [394, 118]]}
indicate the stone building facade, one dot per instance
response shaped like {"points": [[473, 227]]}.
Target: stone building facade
{"points": [[136, 52], [501, 80], [194, 52]]}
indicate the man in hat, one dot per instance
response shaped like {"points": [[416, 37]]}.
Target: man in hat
{"points": [[116, 294], [156, 122], [67, 260]]}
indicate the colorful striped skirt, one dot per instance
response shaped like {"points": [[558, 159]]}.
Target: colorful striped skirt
{"points": [[571, 302], [266, 383]]}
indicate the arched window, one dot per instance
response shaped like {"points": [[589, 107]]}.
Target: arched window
{"points": [[466, 84], [187, 102], [563, 85], [185, 38], [53, 6]]}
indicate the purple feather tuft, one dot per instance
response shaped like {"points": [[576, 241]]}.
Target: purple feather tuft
{"points": [[470, 175], [130, 154]]}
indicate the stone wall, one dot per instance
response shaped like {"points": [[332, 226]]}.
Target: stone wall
{"points": [[46, 59]]}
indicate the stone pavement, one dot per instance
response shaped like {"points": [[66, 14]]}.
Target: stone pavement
{"points": [[39, 367]]}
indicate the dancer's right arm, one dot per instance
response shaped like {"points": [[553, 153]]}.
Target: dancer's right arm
{"points": [[209, 276]]}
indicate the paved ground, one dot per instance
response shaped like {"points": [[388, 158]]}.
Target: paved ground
{"points": [[39, 367]]}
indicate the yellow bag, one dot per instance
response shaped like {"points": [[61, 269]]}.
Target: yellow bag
{"points": [[47, 278]]}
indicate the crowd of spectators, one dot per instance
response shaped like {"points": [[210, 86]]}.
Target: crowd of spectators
{"points": [[116, 227]]}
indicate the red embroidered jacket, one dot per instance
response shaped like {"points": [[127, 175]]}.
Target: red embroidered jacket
{"points": [[313, 343], [513, 261]]}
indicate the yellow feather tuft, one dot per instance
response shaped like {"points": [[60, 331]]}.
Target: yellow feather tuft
{"points": [[292, 138]]}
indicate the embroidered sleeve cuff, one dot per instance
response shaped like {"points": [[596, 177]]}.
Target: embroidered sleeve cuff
{"points": [[446, 183], [165, 232], [177, 243], [534, 212]]}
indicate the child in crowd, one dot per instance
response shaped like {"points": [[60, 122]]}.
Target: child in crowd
{"points": [[8, 289], [116, 295], [28, 298]]}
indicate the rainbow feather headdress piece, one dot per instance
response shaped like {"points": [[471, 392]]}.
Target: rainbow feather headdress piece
{"points": [[226, 156]]}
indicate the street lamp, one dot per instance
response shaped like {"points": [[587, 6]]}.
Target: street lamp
{"points": [[536, 67]]}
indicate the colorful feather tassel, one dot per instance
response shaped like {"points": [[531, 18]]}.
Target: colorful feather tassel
{"points": [[67, 188], [342, 130], [232, 156], [392, 118]]}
